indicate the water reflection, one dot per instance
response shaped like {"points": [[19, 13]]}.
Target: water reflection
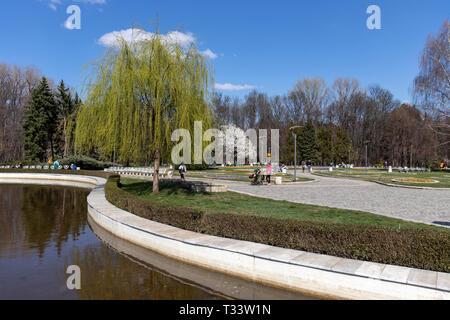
{"points": [[44, 229]]}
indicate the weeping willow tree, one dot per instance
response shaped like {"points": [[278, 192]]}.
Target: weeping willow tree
{"points": [[138, 93]]}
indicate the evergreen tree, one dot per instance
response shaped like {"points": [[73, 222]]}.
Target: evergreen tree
{"points": [[39, 122], [309, 149], [288, 149], [66, 108], [325, 142], [72, 123], [343, 146]]}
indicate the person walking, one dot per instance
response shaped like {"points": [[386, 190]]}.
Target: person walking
{"points": [[268, 173], [309, 165], [182, 169], [303, 166]]}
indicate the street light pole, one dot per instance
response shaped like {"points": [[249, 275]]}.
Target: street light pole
{"points": [[295, 157], [366, 142], [366, 155], [295, 150]]}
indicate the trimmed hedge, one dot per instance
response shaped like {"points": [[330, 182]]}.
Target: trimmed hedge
{"points": [[422, 249], [86, 163], [101, 174]]}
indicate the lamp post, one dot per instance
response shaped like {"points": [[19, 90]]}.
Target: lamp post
{"points": [[366, 142], [295, 150]]}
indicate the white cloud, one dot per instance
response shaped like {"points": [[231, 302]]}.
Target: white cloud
{"points": [[113, 39], [233, 87], [208, 53], [52, 3], [92, 1]]}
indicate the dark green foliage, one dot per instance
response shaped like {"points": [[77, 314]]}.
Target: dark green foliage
{"points": [[422, 249], [67, 108], [326, 148], [416, 248], [195, 167], [101, 174], [343, 147], [288, 150], [86, 163], [39, 122], [307, 142]]}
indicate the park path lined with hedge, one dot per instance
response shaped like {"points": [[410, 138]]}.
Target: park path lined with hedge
{"points": [[416, 248]]}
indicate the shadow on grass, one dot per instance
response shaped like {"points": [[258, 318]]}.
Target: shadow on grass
{"points": [[442, 223], [169, 188]]}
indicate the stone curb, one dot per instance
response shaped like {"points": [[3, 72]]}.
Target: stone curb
{"points": [[408, 187], [316, 274]]}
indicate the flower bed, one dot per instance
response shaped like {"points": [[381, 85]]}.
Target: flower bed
{"points": [[414, 180]]}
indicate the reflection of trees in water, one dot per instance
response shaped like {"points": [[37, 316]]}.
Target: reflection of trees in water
{"points": [[12, 233], [105, 274], [53, 214]]}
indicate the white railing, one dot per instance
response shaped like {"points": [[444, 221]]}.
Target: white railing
{"points": [[145, 172]]}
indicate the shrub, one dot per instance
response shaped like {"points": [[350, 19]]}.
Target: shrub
{"points": [[86, 163], [101, 174], [196, 167], [423, 249]]}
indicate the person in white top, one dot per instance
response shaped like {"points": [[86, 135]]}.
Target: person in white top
{"points": [[182, 169]]}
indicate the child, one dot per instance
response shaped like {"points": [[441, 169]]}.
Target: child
{"points": [[268, 173], [256, 174]]}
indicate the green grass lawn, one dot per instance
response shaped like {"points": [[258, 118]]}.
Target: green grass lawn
{"points": [[230, 202], [383, 176]]}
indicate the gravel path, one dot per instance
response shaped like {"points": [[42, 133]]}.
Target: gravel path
{"points": [[428, 206]]}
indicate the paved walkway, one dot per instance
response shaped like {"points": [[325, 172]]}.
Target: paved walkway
{"points": [[428, 206]]}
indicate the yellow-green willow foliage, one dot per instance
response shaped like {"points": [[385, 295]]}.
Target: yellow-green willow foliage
{"points": [[138, 94]]}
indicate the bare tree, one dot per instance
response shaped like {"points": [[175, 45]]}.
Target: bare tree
{"points": [[16, 84], [432, 85], [308, 99]]}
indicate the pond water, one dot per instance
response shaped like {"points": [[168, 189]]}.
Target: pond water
{"points": [[45, 229]]}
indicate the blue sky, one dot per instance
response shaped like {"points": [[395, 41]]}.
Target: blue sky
{"points": [[268, 45]]}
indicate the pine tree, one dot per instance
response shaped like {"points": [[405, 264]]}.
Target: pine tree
{"points": [[309, 149], [39, 122], [325, 142], [343, 146], [66, 108], [288, 148]]}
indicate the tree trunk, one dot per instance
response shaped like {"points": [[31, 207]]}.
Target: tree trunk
{"points": [[156, 172], [51, 147]]}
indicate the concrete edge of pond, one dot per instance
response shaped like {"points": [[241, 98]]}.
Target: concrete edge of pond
{"points": [[312, 274]]}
